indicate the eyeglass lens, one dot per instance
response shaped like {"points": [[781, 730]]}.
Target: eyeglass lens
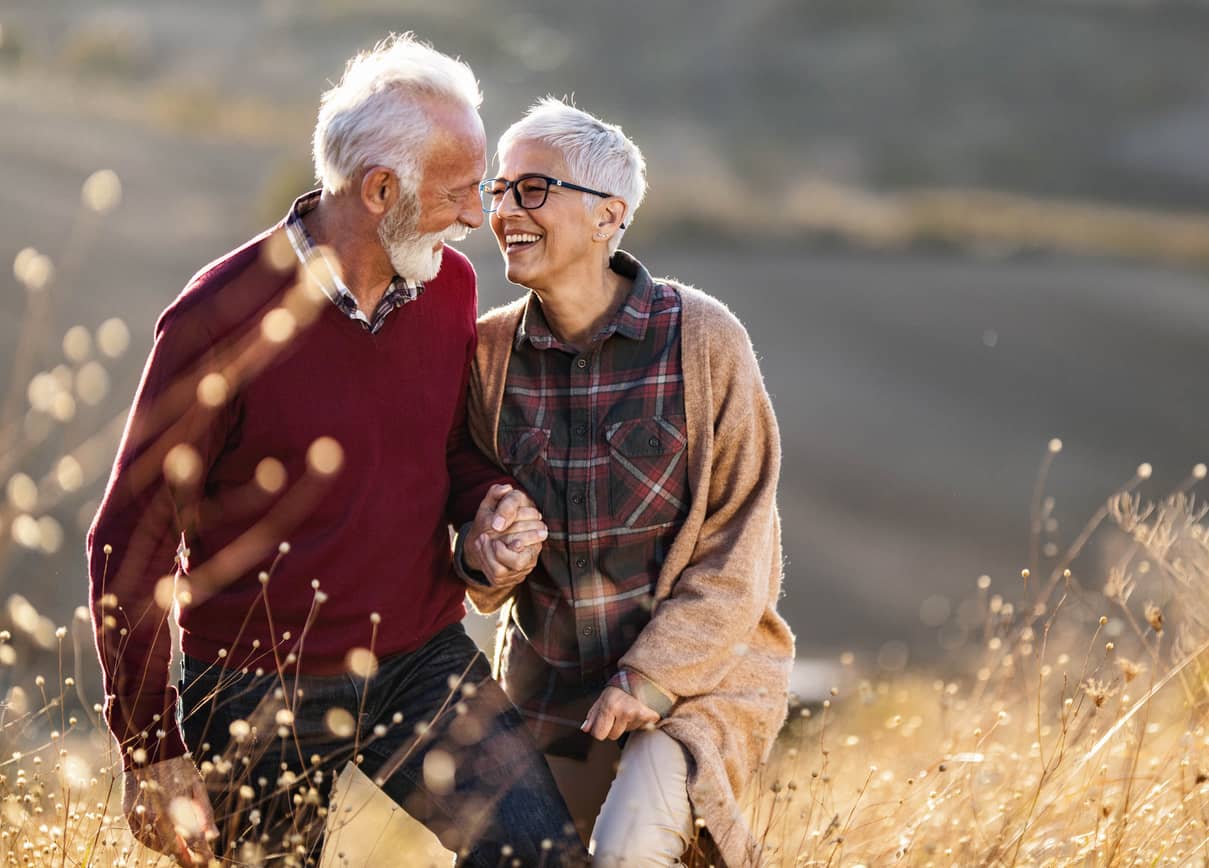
{"points": [[529, 193]]}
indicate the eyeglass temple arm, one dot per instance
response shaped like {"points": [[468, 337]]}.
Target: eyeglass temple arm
{"points": [[571, 186]]}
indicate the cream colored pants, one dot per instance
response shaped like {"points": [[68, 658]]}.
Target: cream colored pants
{"points": [[645, 819]]}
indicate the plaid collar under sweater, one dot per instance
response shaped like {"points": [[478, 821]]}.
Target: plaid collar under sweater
{"points": [[400, 292]]}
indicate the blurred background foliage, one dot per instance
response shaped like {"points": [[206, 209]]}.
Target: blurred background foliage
{"points": [[954, 228]]}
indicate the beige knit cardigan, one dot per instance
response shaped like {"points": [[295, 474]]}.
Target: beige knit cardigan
{"points": [[715, 641]]}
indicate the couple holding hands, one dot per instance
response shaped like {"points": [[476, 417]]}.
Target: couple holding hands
{"points": [[320, 407]]}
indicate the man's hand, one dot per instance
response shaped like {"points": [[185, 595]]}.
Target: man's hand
{"points": [[614, 713], [168, 810], [505, 539]]}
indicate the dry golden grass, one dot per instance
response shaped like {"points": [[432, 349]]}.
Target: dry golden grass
{"points": [[1075, 733], [1054, 745]]}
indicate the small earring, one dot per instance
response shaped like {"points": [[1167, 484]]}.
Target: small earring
{"points": [[600, 236]]}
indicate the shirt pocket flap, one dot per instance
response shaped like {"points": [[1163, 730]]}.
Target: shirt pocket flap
{"points": [[647, 438]]}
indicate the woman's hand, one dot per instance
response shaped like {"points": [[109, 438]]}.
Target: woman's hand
{"points": [[615, 713], [506, 536]]}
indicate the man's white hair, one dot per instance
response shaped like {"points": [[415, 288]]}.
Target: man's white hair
{"points": [[598, 154], [375, 115]]}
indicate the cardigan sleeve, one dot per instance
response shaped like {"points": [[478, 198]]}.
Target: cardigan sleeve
{"points": [[471, 473], [698, 632]]}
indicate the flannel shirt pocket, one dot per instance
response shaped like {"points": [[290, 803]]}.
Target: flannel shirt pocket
{"points": [[523, 453], [646, 470]]}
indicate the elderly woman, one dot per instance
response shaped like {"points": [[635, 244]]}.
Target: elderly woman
{"points": [[633, 412]]}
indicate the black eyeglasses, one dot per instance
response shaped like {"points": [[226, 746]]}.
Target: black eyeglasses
{"points": [[529, 191]]}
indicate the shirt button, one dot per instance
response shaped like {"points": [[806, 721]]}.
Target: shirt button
{"points": [[653, 442], [577, 499], [581, 562], [581, 363], [581, 430], [588, 631]]}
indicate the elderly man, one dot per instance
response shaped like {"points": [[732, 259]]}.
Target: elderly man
{"points": [[293, 461]]}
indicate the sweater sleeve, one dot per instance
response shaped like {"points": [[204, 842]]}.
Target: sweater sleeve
{"points": [[139, 539], [697, 633], [471, 473], [485, 596], [487, 373], [488, 598]]}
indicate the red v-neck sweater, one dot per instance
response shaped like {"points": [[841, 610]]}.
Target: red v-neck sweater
{"points": [[273, 434]]}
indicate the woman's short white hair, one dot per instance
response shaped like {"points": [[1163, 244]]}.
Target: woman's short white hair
{"points": [[598, 154], [375, 116]]}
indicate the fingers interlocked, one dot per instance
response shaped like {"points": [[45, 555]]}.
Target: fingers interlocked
{"points": [[506, 537]]}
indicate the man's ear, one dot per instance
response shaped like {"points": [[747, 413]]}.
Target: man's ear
{"points": [[379, 190]]}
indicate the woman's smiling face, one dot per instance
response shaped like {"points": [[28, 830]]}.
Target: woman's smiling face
{"points": [[547, 244]]}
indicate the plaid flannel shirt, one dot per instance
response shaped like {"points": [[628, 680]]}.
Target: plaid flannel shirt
{"points": [[400, 292], [599, 441]]}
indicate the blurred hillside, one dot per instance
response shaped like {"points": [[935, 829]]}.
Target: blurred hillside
{"points": [[1099, 99], [817, 165]]}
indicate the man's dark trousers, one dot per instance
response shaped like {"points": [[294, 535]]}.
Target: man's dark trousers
{"points": [[485, 790]]}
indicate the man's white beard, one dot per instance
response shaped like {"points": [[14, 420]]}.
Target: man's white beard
{"points": [[411, 256]]}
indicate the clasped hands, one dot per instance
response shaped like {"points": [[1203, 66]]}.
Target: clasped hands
{"points": [[506, 536]]}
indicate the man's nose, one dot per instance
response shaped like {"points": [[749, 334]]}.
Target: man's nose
{"points": [[472, 211]]}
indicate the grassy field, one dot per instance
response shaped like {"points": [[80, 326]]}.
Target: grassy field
{"points": [[1075, 733]]}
